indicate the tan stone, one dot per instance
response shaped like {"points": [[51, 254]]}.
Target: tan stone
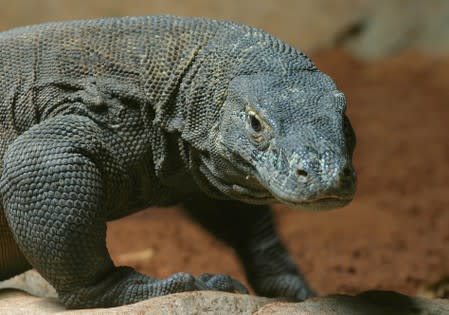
{"points": [[203, 302], [368, 303], [30, 282], [211, 302]]}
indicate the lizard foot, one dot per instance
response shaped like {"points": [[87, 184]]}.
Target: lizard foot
{"points": [[124, 285], [222, 283], [290, 286]]}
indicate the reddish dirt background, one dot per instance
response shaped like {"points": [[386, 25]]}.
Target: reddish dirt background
{"points": [[393, 236]]}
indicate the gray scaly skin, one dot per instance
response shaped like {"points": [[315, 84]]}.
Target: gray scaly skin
{"points": [[103, 118]]}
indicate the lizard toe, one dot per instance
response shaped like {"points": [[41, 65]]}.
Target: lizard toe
{"points": [[222, 283], [289, 286]]}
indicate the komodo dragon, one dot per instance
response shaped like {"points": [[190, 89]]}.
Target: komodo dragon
{"points": [[103, 118]]}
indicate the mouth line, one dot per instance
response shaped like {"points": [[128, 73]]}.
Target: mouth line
{"points": [[252, 193], [328, 198], [315, 201]]}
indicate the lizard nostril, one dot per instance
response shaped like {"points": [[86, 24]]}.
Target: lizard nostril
{"points": [[301, 173], [347, 172]]}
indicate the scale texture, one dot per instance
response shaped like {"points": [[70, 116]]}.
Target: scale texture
{"points": [[103, 118]]}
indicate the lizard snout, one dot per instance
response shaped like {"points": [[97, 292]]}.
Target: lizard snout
{"points": [[319, 182]]}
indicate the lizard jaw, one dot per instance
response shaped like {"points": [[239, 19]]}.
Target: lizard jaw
{"points": [[317, 204]]}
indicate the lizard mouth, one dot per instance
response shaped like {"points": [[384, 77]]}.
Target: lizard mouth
{"points": [[252, 195], [317, 204]]}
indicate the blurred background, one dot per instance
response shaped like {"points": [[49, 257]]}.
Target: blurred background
{"points": [[367, 28], [391, 58]]}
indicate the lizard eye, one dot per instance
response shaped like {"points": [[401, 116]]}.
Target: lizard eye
{"points": [[255, 123], [258, 130]]}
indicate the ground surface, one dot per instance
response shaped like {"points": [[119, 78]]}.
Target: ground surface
{"points": [[211, 302], [394, 236]]}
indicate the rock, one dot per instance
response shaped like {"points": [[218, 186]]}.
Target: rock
{"points": [[200, 302], [16, 302], [367, 303], [438, 289], [31, 282], [211, 302]]}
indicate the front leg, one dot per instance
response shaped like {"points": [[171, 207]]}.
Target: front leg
{"points": [[250, 230], [55, 186]]}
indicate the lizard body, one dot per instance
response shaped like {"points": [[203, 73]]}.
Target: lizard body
{"points": [[102, 118]]}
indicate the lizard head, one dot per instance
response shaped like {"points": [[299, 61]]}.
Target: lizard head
{"points": [[286, 138]]}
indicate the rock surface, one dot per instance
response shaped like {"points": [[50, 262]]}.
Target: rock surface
{"points": [[367, 303], [30, 282], [210, 302]]}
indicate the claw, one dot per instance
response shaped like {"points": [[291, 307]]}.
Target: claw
{"points": [[205, 277], [239, 288], [219, 282], [200, 285]]}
